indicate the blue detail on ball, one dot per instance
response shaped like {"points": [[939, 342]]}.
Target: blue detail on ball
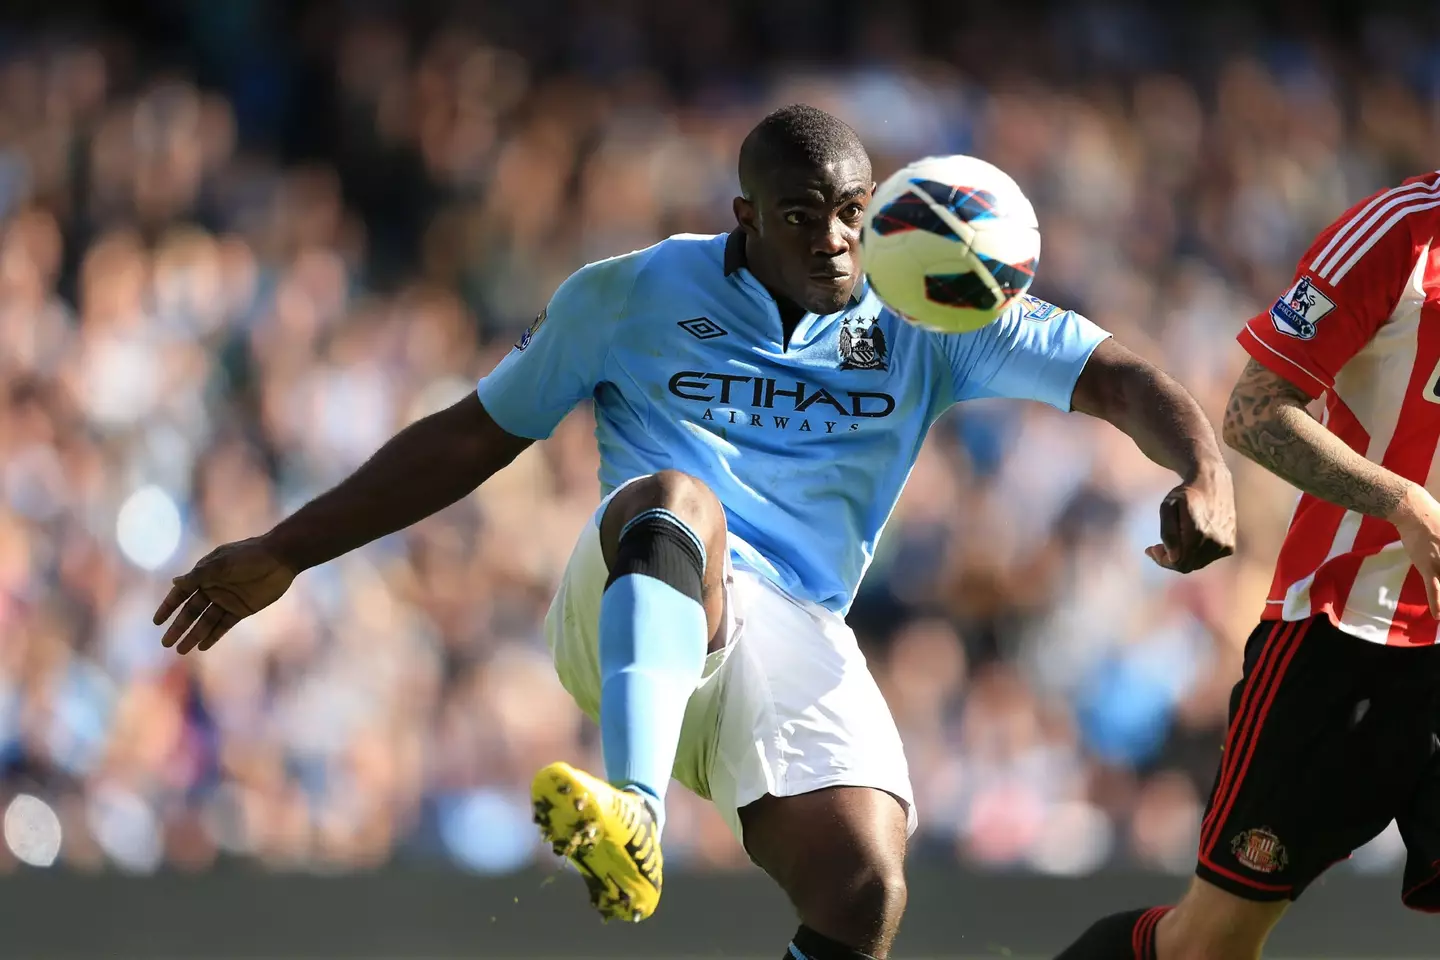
{"points": [[1013, 278], [909, 211], [967, 203], [969, 291]]}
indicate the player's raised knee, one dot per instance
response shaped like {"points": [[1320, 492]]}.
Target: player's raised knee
{"points": [[686, 495], [670, 526], [685, 499]]}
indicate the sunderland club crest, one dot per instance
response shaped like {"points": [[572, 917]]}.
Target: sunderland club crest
{"points": [[862, 344], [1260, 850]]}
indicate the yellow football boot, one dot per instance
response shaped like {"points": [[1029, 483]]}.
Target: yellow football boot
{"points": [[608, 833]]}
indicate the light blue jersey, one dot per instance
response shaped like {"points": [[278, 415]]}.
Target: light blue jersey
{"points": [[806, 444]]}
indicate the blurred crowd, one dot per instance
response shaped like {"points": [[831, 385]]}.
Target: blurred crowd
{"points": [[228, 274]]}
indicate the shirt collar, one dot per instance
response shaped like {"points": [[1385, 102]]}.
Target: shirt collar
{"points": [[735, 251]]}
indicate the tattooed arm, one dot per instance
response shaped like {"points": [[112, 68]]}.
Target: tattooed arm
{"points": [[1266, 420]]}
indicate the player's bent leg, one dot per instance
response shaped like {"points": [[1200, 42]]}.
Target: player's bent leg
{"points": [[1213, 924], [663, 537], [1207, 924], [663, 541], [1319, 748], [839, 854]]}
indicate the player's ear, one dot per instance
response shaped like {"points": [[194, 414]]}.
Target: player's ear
{"points": [[745, 215]]}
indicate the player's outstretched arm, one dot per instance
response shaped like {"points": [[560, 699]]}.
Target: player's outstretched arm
{"points": [[1267, 421], [421, 470], [1197, 518]]}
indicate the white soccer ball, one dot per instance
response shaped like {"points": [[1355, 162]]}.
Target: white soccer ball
{"points": [[950, 242]]}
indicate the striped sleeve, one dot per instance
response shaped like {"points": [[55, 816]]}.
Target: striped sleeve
{"points": [[1345, 287]]}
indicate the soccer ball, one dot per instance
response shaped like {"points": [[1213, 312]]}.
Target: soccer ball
{"points": [[949, 243]]}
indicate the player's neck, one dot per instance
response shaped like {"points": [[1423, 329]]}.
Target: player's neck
{"points": [[761, 271], [791, 313]]}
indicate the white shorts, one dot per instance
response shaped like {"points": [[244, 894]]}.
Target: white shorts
{"points": [[787, 706]]}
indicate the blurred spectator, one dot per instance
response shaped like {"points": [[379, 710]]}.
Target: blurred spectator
{"points": [[228, 274]]}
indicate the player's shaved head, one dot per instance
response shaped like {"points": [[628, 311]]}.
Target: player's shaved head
{"points": [[797, 135], [804, 182]]}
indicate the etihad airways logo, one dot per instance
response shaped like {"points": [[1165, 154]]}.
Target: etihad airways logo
{"points": [[793, 409]]}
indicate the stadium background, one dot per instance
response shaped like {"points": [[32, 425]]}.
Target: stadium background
{"points": [[243, 242]]}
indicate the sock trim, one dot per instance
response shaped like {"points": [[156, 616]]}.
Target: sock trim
{"points": [[1142, 940], [667, 516], [817, 946], [640, 790]]}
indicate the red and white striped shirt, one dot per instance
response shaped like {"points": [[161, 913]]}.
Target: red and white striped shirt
{"points": [[1360, 324]]}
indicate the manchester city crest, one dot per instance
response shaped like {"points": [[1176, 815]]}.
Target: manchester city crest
{"points": [[862, 344]]}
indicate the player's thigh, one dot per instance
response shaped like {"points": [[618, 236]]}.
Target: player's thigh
{"points": [[1316, 763], [1213, 924]]}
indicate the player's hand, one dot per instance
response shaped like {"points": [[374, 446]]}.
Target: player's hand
{"points": [[1197, 523], [1417, 518], [226, 586]]}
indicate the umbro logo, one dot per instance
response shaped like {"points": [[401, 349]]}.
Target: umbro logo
{"points": [[702, 328]]}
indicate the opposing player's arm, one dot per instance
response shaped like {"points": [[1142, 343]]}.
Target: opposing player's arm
{"points": [[1346, 287], [418, 472], [1267, 420]]}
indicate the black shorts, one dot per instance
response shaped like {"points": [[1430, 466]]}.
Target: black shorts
{"points": [[1331, 738]]}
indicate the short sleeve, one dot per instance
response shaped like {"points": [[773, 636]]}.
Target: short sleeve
{"points": [[1344, 289], [560, 360], [1035, 351]]}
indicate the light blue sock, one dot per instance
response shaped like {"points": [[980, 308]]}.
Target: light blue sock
{"points": [[652, 653]]}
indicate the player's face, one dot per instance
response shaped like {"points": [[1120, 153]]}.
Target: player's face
{"points": [[804, 226]]}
